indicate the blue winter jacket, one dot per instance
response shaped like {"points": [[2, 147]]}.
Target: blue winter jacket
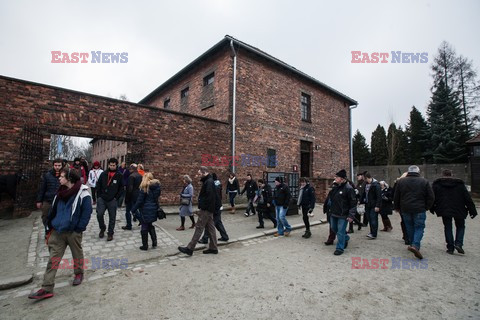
{"points": [[72, 215], [147, 203]]}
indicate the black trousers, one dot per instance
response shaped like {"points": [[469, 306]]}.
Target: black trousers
{"points": [[217, 220], [305, 218], [266, 212]]}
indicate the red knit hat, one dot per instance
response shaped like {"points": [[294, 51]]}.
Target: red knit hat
{"points": [[96, 164]]}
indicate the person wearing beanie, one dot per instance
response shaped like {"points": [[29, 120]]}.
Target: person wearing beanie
{"points": [[342, 209], [77, 165], [281, 200], [93, 176], [413, 197]]}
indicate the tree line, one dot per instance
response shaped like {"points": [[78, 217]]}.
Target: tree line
{"points": [[439, 137]]}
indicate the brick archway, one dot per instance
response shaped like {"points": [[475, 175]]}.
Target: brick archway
{"points": [[171, 142]]}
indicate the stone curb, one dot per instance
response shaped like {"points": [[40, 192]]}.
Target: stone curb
{"points": [[9, 283]]}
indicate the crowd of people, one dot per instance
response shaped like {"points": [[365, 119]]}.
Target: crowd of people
{"points": [[68, 194]]}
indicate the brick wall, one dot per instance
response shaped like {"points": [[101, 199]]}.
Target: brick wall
{"points": [[212, 101], [269, 116], [172, 142]]}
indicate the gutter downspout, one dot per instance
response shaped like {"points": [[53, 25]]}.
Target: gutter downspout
{"points": [[234, 104], [351, 138]]}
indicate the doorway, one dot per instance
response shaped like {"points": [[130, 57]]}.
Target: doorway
{"points": [[305, 158]]}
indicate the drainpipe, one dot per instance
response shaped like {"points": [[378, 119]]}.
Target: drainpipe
{"points": [[234, 104], [351, 138]]}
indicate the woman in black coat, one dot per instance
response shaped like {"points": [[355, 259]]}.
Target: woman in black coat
{"points": [[147, 205], [387, 206]]}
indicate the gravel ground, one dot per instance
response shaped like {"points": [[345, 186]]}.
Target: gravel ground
{"points": [[291, 278]]}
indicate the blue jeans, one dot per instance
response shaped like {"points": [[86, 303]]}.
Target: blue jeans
{"points": [[415, 225], [373, 219], [460, 226], [339, 226], [282, 223], [231, 197]]}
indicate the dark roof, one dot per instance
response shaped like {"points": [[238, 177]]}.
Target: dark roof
{"points": [[226, 41], [474, 140]]}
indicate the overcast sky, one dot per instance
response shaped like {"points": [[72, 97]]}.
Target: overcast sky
{"points": [[316, 37]]}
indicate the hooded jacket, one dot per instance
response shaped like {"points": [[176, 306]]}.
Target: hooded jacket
{"points": [[374, 195], [75, 220], [111, 191], [452, 199], [147, 202]]}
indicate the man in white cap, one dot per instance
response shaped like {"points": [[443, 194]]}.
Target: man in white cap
{"points": [[413, 197]]}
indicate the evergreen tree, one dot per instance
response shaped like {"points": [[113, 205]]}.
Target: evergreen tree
{"points": [[447, 131], [397, 145], [416, 132], [468, 88], [361, 154], [379, 151]]}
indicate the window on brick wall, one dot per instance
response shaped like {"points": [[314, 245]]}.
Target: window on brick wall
{"points": [[184, 93], [209, 79], [306, 108], [166, 103], [271, 158]]}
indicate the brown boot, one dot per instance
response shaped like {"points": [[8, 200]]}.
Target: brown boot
{"points": [[385, 224], [233, 210], [389, 225]]}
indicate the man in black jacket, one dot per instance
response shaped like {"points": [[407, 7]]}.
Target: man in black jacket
{"points": [[373, 203], [109, 188], [131, 194], [251, 189], [48, 188], [281, 201], [208, 205], [413, 197], [343, 205], [452, 200], [306, 200], [264, 204]]}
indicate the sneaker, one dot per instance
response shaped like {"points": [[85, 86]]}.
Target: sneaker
{"points": [[371, 237], [307, 234], [40, 294], [338, 252], [276, 234], [253, 213], [415, 251], [223, 239], [185, 250], [203, 241], [126, 228], [450, 251], [192, 226], [110, 237], [101, 234], [328, 243], [260, 227], [78, 279], [460, 249], [210, 251], [247, 214]]}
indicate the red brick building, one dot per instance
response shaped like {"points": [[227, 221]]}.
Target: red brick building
{"points": [[102, 150], [233, 100], [279, 110]]}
